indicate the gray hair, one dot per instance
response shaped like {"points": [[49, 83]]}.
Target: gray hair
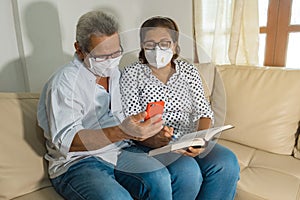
{"points": [[94, 23]]}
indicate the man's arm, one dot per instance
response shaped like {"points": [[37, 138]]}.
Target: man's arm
{"points": [[87, 140], [131, 128]]}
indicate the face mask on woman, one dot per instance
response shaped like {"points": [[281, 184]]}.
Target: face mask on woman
{"points": [[105, 68], [158, 58]]}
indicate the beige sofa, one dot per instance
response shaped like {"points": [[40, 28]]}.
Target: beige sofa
{"points": [[23, 171], [264, 106], [262, 103]]}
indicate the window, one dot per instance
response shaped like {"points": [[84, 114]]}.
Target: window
{"points": [[279, 38]]}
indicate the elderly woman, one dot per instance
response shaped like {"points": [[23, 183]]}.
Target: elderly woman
{"points": [[158, 76]]}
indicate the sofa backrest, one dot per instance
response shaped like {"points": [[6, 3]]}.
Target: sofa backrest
{"points": [[22, 167], [263, 103]]}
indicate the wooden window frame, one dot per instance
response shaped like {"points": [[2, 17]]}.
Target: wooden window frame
{"points": [[277, 32]]}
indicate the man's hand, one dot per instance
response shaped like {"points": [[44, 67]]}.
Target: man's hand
{"points": [[160, 139], [138, 129]]}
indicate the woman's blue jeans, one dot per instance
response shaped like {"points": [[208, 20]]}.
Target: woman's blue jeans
{"points": [[166, 177]]}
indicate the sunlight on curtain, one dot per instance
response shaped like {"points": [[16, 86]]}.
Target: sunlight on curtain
{"points": [[228, 30]]}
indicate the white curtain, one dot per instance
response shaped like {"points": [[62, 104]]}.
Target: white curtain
{"points": [[227, 31]]}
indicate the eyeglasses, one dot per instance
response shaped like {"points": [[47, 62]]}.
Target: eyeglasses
{"points": [[163, 45], [101, 58]]}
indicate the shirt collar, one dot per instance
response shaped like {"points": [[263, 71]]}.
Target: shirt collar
{"points": [[149, 74], [82, 67]]}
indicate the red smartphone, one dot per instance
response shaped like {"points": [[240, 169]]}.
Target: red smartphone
{"points": [[154, 108]]}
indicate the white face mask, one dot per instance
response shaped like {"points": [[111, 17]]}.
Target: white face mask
{"points": [[158, 58], [105, 68]]}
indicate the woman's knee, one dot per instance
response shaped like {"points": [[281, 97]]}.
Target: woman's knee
{"points": [[156, 179], [186, 178], [186, 169], [156, 184], [229, 162], [222, 159]]}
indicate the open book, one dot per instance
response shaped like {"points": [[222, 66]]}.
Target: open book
{"points": [[196, 139]]}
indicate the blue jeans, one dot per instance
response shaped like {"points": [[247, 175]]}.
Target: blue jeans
{"points": [[220, 172], [213, 175], [93, 178], [168, 176], [90, 178]]}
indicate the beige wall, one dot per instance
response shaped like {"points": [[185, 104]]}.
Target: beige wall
{"points": [[11, 72], [37, 36]]}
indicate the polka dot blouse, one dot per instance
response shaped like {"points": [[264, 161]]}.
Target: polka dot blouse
{"points": [[183, 95]]}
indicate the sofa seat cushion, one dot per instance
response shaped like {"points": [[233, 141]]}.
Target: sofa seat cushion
{"points": [[47, 193], [22, 167], [265, 175], [263, 105]]}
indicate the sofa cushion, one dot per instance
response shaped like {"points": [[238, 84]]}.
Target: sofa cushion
{"points": [[265, 175], [22, 167], [43, 194], [207, 72], [263, 105]]}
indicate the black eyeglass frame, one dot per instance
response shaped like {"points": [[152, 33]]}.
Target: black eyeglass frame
{"points": [[102, 58], [159, 44]]}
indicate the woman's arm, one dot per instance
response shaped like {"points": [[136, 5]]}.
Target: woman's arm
{"points": [[204, 123]]}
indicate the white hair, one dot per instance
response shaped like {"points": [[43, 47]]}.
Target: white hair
{"points": [[96, 23]]}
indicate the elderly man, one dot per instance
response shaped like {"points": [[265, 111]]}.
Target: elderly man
{"points": [[79, 111]]}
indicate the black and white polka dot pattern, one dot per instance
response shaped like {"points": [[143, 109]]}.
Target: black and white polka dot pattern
{"points": [[183, 94]]}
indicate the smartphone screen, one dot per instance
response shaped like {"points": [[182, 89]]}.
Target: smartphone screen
{"points": [[154, 108]]}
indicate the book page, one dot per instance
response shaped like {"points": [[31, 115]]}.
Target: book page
{"points": [[207, 134], [199, 138], [187, 143], [213, 131]]}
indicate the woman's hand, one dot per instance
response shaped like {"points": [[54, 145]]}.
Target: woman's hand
{"points": [[191, 151], [162, 138], [203, 123]]}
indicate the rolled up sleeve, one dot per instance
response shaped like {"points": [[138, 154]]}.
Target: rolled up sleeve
{"points": [[65, 112]]}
